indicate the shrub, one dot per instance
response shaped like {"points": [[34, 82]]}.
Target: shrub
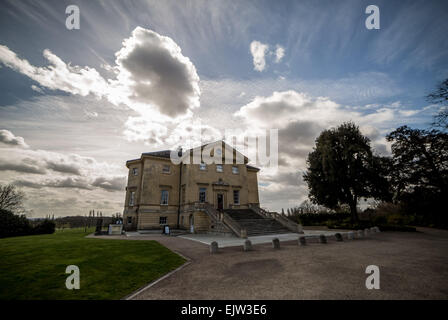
{"points": [[312, 219], [13, 225], [45, 227]]}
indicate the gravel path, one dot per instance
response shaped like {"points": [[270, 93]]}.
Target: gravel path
{"points": [[412, 266]]}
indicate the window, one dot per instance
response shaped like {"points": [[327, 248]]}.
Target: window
{"points": [[166, 168], [202, 195], [235, 170], [132, 198], [202, 166], [129, 220], [219, 167], [162, 220], [135, 171], [236, 196], [164, 198]]}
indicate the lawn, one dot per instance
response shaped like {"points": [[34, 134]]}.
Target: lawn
{"points": [[33, 267]]}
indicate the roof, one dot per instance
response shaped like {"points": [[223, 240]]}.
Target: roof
{"points": [[161, 154], [167, 153], [252, 167]]}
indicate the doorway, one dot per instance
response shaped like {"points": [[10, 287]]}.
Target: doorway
{"points": [[191, 223], [220, 201]]}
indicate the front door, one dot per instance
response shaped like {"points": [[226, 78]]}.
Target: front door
{"points": [[220, 201], [191, 223]]}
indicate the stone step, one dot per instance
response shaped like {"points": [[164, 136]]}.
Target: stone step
{"points": [[256, 224]]}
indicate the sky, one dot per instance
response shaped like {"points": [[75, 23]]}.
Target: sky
{"points": [[137, 76]]}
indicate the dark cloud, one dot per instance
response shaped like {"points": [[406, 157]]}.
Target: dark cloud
{"points": [[77, 183], [159, 73], [63, 167], [21, 167], [110, 184]]}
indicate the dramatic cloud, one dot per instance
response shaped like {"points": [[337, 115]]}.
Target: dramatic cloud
{"points": [[152, 77], [258, 51], [6, 137], [153, 71]]}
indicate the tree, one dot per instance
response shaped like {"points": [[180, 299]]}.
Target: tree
{"points": [[420, 160], [11, 198], [440, 96], [342, 169]]}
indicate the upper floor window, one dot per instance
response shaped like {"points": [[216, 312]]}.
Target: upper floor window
{"points": [[235, 170], [219, 167], [135, 171], [132, 198], [166, 168], [202, 193], [164, 197], [202, 166], [236, 196]]}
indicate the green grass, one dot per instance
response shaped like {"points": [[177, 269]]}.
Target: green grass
{"points": [[33, 267]]}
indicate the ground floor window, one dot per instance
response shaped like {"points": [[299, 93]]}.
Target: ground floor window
{"points": [[162, 220], [236, 196], [129, 220]]}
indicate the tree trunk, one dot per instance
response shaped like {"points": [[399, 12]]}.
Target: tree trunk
{"points": [[353, 211]]}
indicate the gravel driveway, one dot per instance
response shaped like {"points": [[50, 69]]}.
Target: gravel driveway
{"points": [[412, 266]]}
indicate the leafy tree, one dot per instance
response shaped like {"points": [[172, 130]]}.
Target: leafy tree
{"points": [[420, 160], [440, 96], [11, 199], [342, 169]]}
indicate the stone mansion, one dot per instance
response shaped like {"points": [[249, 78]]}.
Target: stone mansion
{"points": [[198, 198]]}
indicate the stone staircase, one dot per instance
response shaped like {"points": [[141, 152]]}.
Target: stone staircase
{"points": [[254, 223]]}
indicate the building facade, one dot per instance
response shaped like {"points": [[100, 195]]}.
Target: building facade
{"points": [[188, 195]]}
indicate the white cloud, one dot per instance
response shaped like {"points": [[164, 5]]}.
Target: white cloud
{"points": [[279, 53], [8, 138], [58, 75], [258, 51], [37, 89], [152, 78]]}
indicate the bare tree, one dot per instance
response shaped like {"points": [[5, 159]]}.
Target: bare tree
{"points": [[440, 96], [11, 198]]}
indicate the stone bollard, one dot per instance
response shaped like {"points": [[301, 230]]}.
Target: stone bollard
{"points": [[360, 233], [214, 247], [338, 237], [302, 241], [300, 229], [322, 238], [377, 229], [247, 245], [372, 230], [366, 232], [276, 243], [350, 235]]}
